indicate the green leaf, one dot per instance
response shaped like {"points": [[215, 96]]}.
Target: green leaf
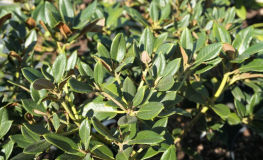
{"points": [[147, 153], [99, 110], [169, 154], [30, 106], [158, 66], [118, 48], [72, 61], [222, 110], [248, 52], [114, 16], [104, 53], [85, 70], [207, 53], [165, 11], [37, 147], [125, 154], [66, 156], [59, 67], [200, 88], [30, 136], [127, 62], [101, 150], [166, 83], [147, 41], [98, 73], [84, 133], [233, 119], [66, 10], [23, 156], [255, 65], [160, 40], [241, 110], [221, 34], [167, 50], [184, 22], [161, 123], [40, 130], [136, 16], [88, 11], [154, 12], [102, 129], [31, 74], [242, 39], [147, 137], [138, 98], [200, 41], [150, 110], [127, 119], [79, 86], [240, 9], [129, 89], [172, 67], [39, 13], [56, 121], [6, 150], [20, 140], [186, 41], [5, 124], [52, 15], [208, 65], [43, 84], [63, 143]]}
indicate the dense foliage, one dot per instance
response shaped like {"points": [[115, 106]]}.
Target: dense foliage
{"points": [[68, 70]]}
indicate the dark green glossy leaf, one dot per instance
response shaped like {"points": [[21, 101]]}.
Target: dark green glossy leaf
{"points": [[160, 40], [102, 129], [30, 106], [255, 65], [147, 41], [30, 136], [161, 123], [240, 9], [99, 110], [242, 39], [125, 154], [6, 150], [221, 34], [222, 110], [88, 12], [99, 73], [166, 83], [118, 48], [85, 70], [138, 98], [169, 154], [62, 142], [147, 153], [207, 53], [68, 157], [37, 147], [186, 41], [20, 140], [158, 65], [150, 110], [66, 10], [129, 89], [23, 156], [127, 62], [233, 119], [136, 16], [79, 86], [114, 16], [127, 119], [147, 137], [72, 61], [154, 12], [56, 121], [101, 150], [43, 84], [31, 74], [172, 67], [166, 49], [40, 130], [59, 67], [84, 133]]}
